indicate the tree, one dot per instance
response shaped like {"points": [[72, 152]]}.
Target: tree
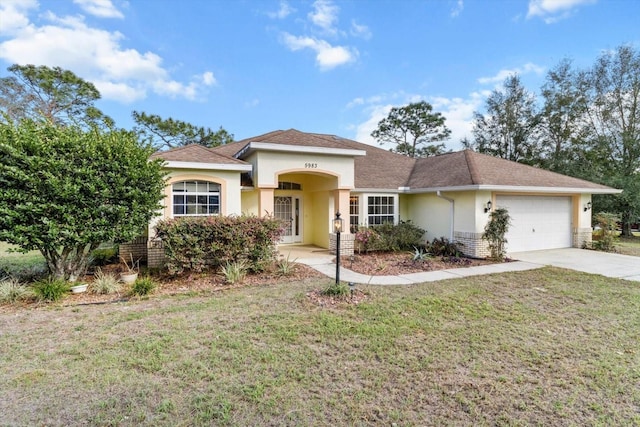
{"points": [[509, 129], [170, 133], [52, 94], [562, 142], [413, 125], [610, 113], [65, 189]]}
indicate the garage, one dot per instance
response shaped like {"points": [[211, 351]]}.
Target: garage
{"points": [[537, 222]]}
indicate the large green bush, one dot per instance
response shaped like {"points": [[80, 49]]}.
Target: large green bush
{"points": [[195, 243], [390, 237], [64, 190]]}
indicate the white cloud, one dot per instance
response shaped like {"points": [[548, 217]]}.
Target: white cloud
{"points": [[457, 111], [552, 11], [96, 55], [457, 9], [325, 15], [14, 15], [99, 8], [327, 56], [504, 73], [208, 79], [361, 31], [284, 11]]}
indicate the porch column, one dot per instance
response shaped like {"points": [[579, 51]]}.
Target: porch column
{"points": [[347, 240], [265, 202]]}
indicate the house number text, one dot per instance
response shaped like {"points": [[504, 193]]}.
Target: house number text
{"points": [[311, 165]]}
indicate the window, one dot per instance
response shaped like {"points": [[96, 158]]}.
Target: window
{"points": [[284, 185], [354, 213], [196, 198], [380, 209]]}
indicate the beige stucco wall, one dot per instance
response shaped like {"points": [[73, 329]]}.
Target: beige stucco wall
{"points": [[249, 202], [230, 202], [268, 165], [433, 213]]}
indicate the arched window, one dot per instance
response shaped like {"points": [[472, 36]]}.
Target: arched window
{"points": [[196, 198]]}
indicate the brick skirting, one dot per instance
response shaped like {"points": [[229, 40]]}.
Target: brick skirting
{"points": [[347, 243]]}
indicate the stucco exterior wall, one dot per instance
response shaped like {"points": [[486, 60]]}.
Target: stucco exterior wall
{"points": [[249, 202], [268, 165], [230, 200]]}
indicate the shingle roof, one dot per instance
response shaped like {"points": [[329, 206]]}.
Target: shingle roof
{"points": [[468, 168], [195, 153], [381, 169]]}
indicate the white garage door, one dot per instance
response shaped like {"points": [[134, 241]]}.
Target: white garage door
{"points": [[537, 222]]}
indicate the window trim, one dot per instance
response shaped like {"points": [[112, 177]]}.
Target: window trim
{"points": [[198, 193], [363, 203]]}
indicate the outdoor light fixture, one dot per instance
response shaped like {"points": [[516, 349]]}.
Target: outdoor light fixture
{"points": [[352, 288], [337, 228], [487, 207], [587, 206]]}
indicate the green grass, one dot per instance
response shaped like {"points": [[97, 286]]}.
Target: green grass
{"points": [[16, 262], [542, 347], [628, 245]]}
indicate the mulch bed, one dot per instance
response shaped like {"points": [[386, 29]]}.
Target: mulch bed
{"points": [[395, 263], [373, 264]]}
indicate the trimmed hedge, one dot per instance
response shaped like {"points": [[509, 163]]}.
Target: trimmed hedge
{"points": [[195, 243]]}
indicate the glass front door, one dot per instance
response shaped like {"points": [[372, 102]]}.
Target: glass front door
{"points": [[287, 209]]}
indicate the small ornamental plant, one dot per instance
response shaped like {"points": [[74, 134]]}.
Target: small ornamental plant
{"points": [[495, 231]]}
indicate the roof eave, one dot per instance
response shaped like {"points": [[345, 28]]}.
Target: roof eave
{"points": [[515, 188], [268, 146], [210, 166]]}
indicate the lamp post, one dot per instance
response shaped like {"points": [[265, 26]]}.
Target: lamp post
{"points": [[337, 228]]}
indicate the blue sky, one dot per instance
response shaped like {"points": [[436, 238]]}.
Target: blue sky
{"points": [[325, 66]]}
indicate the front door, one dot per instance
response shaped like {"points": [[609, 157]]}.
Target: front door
{"points": [[287, 208]]}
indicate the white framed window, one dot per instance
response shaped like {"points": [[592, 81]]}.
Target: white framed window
{"points": [[354, 213], [372, 209], [381, 209], [195, 198]]}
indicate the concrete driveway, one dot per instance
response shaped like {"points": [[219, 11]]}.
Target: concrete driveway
{"points": [[606, 264]]}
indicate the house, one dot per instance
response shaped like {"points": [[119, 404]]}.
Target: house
{"points": [[305, 178]]}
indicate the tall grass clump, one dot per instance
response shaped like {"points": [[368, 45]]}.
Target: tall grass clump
{"points": [[234, 272], [104, 283], [143, 286], [50, 289], [12, 291]]}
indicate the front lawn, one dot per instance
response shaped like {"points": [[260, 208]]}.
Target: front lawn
{"points": [[541, 347]]}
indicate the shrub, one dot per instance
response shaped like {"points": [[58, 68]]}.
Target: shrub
{"points": [[234, 272], [50, 289], [12, 291], [399, 237], [444, 248], [366, 239], [104, 283], [286, 266], [194, 243], [608, 224], [419, 255], [143, 286], [336, 290], [494, 232], [389, 237]]}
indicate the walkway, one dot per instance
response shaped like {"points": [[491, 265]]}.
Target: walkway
{"points": [[594, 262], [322, 261]]}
